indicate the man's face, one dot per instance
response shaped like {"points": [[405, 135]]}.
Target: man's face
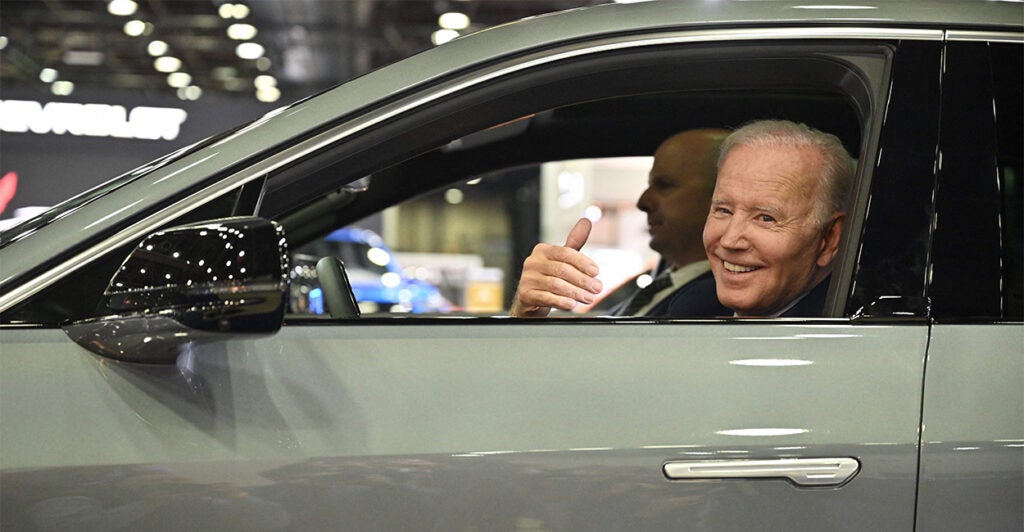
{"points": [[764, 242], [676, 202]]}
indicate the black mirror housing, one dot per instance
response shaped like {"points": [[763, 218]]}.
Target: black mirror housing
{"points": [[190, 284]]}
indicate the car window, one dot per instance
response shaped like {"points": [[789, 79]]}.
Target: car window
{"points": [[978, 235], [462, 211], [1007, 76], [458, 249]]}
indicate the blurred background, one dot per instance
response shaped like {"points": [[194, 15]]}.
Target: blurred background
{"points": [[121, 82]]}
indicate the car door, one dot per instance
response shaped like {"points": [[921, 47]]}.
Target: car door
{"points": [[494, 423], [972, 451]]}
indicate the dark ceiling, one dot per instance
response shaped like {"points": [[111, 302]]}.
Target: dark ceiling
{"points": [[310, 44]]}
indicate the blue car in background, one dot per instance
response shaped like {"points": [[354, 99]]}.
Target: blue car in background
{"points": [[377, 279]]}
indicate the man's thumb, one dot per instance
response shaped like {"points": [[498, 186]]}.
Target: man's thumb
{"points": [[579, 234]]}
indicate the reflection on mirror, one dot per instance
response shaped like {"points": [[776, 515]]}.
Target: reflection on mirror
{"points": [[191, 284]]}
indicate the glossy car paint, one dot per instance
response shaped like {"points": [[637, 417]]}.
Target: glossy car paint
{"points": [[493, 424], [972, 450], [549, 424]]}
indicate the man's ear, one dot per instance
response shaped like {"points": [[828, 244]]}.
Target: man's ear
{"points": [[830, 235]]}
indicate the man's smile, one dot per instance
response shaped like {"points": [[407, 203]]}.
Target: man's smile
{"points": [[736, 268]]}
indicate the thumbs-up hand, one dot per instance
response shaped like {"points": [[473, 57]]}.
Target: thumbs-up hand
{"points": [[557, 276]]}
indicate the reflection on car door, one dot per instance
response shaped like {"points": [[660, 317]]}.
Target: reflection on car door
{"points": [[491, 426]]}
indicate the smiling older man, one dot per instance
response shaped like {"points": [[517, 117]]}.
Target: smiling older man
{"points": [[777, 214]]}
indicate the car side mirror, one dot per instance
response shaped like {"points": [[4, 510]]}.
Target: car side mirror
{"points": [[192, 284]]}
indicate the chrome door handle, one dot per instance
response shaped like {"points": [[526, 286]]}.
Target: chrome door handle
{"points": [[804, 472]]}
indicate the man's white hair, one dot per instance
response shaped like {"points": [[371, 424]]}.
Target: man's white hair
{"points": [[837, 166]]}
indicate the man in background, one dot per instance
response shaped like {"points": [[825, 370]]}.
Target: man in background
{"points": [[676, 201]]}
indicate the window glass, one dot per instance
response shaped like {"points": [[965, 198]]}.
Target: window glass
{"points": [[1009, 79]]}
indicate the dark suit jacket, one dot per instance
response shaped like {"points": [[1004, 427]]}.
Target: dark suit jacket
{"points": [[694, 299], [698, 298], [812, 305]]}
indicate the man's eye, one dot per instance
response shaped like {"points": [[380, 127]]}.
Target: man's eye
{"points": [[767, 218], [721, 210]]}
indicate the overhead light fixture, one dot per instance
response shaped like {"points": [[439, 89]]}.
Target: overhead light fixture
{"points": [[453, 21], [178, 79], [442, 36], [157, 48], [62, 88], [167, 63], [47, 75], [134, 28], [122, 8], [3, 42], [268, 94], [263, 64], [192, 93], [264, 81], [249, 50], [236, 11], [241, 32]]}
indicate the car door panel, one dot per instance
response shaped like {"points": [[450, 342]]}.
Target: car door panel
{"points": [[553, 420], [972, 452]]}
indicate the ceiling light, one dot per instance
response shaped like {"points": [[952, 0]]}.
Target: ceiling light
{"points": [[241, 32], [62, 88], [178, 79], [443, 36], [454, 196], [157, 48], [122, 8], [134, 28], [264, 81], [191, 93], [47, 75], [268, 94], [263, 64], [453, 21], [167, 63], [3, 42], [249, 50], [236, 11]]}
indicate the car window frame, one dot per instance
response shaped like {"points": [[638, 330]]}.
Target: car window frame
{"points": [[870, 106]]}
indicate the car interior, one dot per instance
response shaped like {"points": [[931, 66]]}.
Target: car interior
{"points": [[621, 126]]}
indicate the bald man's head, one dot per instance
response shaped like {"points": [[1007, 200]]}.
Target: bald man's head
{"points": [[678, 195]]}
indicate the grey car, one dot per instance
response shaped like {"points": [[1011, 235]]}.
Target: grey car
{"points": [[153, 376]]}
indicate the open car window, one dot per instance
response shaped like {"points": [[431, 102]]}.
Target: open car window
{"points": [[456, 194], [458, 249]]}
